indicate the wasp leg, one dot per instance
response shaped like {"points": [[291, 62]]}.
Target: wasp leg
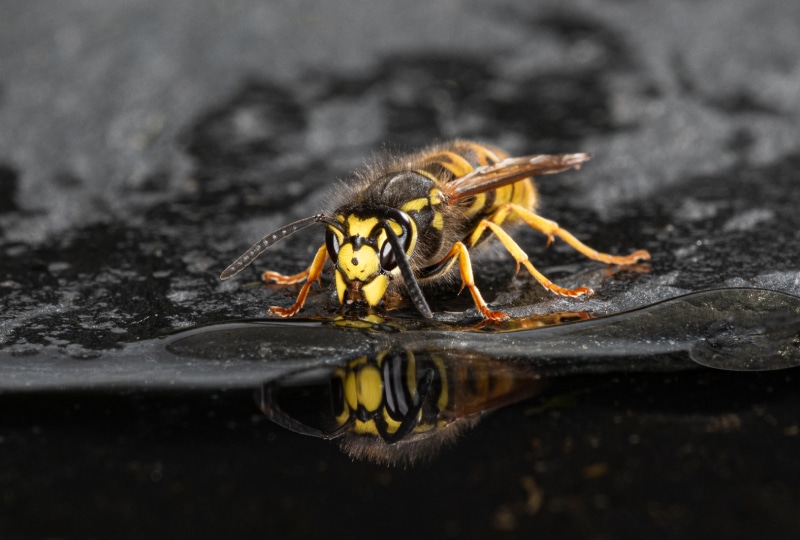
{"points": [[281, 279], [465, 265], [312, 274], [522, 258], [550, 229]]}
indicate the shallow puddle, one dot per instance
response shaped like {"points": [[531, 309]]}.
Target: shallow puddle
{"points": [[731, 329], [393, 390]]}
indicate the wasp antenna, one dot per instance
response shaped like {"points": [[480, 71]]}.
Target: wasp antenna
{"points": [[408, 274], [272, 411], [271, 239]]}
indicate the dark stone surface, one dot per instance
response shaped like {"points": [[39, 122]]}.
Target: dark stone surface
{"points": [[144, 145]]}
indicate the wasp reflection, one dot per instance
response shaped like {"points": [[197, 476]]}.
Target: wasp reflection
{"points": [[399, 406]]}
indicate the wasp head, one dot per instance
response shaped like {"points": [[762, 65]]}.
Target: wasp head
{"points": [[363, 247]]}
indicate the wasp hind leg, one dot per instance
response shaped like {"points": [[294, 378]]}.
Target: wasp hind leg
{"points": [[310, 275], [551, 229], [465, 266], [522, 258]]}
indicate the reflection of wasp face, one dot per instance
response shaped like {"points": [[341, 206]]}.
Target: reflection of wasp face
{"points": [[416, 216], [398, 406], [391, 397]]}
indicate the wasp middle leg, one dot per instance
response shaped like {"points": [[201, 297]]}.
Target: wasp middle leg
{"points": [[522, 258], [460, 251]]}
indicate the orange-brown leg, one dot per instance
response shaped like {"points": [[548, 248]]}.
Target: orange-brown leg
{"points": [[281, 279], [522, 257], [311, 275], [550, 229], [467, 280]]}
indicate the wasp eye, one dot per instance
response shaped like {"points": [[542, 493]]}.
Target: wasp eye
{"points": [[332, 243], [402, 219], [337, 395], [388, 262]]}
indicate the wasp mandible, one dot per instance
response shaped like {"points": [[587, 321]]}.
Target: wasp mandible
{"points": [[415, 216]]}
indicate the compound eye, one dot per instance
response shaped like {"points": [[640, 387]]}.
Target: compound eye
{"points": [[402, 219], [388, 262], [337, 395], [332, 243]]}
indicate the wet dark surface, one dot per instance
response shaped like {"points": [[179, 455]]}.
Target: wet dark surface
{"points": [[143, 147], [639, 455]]}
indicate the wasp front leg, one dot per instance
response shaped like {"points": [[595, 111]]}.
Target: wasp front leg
{"points": [[310, 275]]}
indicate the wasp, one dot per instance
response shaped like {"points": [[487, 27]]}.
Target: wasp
{"points": [[411, 218], [397, 406]]}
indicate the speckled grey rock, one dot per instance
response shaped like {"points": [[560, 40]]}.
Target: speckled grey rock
{"points": [[144, 145]]}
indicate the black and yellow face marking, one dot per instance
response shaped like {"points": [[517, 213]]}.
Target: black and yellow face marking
{"points": [[365, 260], [416, 216]]}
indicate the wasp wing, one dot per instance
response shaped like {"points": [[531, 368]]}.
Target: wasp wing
{"points": [[509, 171]]}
